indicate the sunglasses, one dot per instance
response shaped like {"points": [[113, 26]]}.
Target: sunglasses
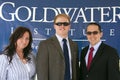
{"points": [[94, 32], [62, 23]]}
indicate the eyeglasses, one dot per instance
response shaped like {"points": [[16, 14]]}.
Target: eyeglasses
{"points": [[62, 23], [94, 32]]}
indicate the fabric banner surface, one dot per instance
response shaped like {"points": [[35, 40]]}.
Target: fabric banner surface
{"points": [[38, 15]]}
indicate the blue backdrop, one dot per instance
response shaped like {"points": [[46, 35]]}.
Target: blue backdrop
{"points": [[38, 15]]}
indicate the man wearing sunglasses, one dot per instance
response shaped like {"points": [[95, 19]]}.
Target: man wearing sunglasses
{"points": [[57, 57], [98, 60]]}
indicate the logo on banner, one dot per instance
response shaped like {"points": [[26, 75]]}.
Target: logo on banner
{"points": [[86, 14]]}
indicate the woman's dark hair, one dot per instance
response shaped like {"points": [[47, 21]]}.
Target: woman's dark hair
{"points": [[11, 48]]}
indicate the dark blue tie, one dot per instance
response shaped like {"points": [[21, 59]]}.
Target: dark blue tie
{"points": [[67, 64]]}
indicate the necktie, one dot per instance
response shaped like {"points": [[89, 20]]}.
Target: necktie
{"points": [[67, 64], [90, 57]]}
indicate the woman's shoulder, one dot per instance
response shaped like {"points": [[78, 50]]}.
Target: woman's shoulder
{"points": [[32, 56], [4, 58]]}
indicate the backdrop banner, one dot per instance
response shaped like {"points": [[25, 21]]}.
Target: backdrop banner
{"points": [[38, 16]]}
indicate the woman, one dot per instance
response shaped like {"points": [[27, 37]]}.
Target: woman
{"points": [[17, 61]]}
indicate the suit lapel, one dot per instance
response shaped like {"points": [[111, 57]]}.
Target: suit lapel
{"points": [[56, 43], [71, 48], [85, 53], [97, 55]]}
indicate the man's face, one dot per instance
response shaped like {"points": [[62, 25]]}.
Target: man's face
{"points": [[93, 34], [62, 26]]}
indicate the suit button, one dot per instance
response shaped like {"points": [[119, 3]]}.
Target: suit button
{"points": [[86, 75]]}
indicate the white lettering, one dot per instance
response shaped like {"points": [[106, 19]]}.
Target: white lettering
{"points": [[48, 30], [17, 13], [112, 32], [1, 11], [83, 15]]}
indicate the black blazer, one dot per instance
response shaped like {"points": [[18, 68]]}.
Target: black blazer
{"points": [[104, 66]]}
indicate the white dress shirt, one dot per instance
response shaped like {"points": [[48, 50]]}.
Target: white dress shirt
{"points": [[94, 52], [61, 44]]}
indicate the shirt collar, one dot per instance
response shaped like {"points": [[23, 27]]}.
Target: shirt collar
{"points": [[60, 38], [96, 46]]}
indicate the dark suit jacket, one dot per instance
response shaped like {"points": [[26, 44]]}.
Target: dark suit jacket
{"points": [[104, 66], [50, 60]]}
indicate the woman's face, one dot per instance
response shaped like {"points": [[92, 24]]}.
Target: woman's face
{"points": [[23, 41]]}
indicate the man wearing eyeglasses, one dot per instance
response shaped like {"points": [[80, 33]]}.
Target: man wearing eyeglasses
{"points": [[98, 60], [57, 57]]}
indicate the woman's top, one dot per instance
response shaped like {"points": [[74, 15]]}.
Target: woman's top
{"points": [[17, 70]]}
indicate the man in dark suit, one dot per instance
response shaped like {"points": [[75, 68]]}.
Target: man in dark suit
{"points": [[51, 63], [104, 61]]}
